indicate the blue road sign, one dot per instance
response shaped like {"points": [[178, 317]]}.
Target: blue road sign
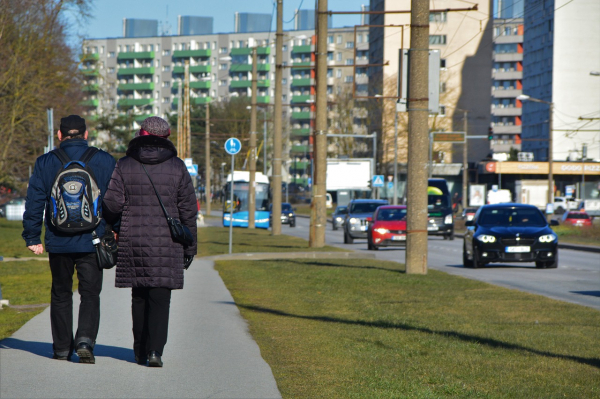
{"points": [[193, 169], [233, 146], [377, 181], [390, 185]]}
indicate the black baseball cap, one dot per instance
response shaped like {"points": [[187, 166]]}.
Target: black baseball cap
{"points": [[72, 122]]}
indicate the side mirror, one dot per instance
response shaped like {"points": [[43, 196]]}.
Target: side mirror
{"points": [[469, 223], [554, 222], [369, 219]]}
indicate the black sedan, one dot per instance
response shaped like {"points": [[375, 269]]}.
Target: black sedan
{"points": [[288, 214], [510, 233]]}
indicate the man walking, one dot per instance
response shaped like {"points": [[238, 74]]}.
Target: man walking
{"points": [[68, 250]]}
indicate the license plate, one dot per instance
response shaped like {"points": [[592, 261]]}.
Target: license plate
{"points": [[521, 249], [398, 238], [432, 228], [363, 228]]}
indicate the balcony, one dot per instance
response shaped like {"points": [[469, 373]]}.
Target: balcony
{"points": [[508, 39], [92, 87], [136, 71], [263, 99], [507, 129], [195, 84], [248, 51], [136, 86], [303, 82], [89, 57], [303, 49], [507, 75], [300, 149], [307, 64], [193, 69], [139, 55], [303, 132], [507, 57], [141, 118], [194, 100], [191, 53], [506, 93], [362, 80], [89, 103], [302, 115], [302, 98], [248, 67], [507, 111], [135, 102], [241, 84], [300, 165]]}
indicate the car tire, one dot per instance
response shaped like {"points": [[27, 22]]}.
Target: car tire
{"points": [[466, 262], [476, 263], [293, 224], [446, 236], [334, 227], [552, 264], [347, 238], [451, 236]]}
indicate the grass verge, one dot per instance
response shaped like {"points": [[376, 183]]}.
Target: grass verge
{"points": [[363, 328], [11, 242]]}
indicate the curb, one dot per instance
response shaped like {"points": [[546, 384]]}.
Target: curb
{"points": [[291, 255]]}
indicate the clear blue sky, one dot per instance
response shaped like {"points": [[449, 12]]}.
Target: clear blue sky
{"points": [[108, 15]]}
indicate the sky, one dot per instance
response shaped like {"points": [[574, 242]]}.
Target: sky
{"points": [[107, 20]]}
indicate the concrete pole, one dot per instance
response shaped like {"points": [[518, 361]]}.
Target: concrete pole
{"points": [[318, 206], [395, 155], [550, 156], [465, 163], [418, 114], [187, 143], [252, 164], [265, 143], [277, 123], [179, 121], [207, 188]]}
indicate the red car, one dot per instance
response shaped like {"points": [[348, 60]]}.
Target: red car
{"points": [[579, 219], [387, 227]]}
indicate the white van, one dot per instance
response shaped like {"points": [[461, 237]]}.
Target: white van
{"points": [[328, 201]]}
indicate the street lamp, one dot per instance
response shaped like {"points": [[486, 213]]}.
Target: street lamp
{"points": [[525, 97]]}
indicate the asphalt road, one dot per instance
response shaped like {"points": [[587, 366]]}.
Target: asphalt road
{"points": [[576, 280]]}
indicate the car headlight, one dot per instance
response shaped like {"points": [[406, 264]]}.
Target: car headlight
{"points": [[353, 220], [339, 219], [381, 230], [448, 219], [485, 238], [291, 214], [547, 238]]}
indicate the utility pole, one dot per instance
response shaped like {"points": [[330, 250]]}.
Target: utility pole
{"points": [[179, 121], [207, 182], [418, 113], [318, 217], [395, 155], [277, 150], [188, 130], [465, 162], [252, 166]]}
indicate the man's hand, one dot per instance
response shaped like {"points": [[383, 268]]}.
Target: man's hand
{"points": [[37, 249]]}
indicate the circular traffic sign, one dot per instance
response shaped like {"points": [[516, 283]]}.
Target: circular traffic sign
{"points": [[233, 146]]}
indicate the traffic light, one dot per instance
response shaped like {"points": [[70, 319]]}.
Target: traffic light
{"points": [[490, 134]]}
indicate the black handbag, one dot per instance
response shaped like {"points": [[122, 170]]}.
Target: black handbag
{"points": [[179, 232], [106, 249]]}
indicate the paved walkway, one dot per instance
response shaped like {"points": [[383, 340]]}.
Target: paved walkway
{"points": [[210, 353]]}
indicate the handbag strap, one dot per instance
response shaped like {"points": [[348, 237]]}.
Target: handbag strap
{"points": [[157, 194]]}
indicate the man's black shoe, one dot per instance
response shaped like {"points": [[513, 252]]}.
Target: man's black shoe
{"points": [[61, 357], [141, 360], [85, 353], [154, 359]]}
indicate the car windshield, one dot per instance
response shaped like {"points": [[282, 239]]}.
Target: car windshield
{"points": [[286, 208], [341, 210], [364, 207], [578, 216], [511, 217], [437, 201], [391, 214]]}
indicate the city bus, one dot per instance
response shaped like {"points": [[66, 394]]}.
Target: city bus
{"points": [[240, 183]]}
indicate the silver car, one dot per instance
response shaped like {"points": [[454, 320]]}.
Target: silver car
{"points": [[337, 219]]}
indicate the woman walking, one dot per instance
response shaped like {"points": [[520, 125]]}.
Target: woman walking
{"points": [[149, 261]]}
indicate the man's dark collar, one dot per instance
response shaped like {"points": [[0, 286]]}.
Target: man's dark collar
{"points": [[74, 142]]}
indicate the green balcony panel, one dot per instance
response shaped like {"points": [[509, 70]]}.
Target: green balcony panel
{"points": [[302, 99], [302, 115], [298, 166], [89, 72], [300, 149], [89, 57], [303, 82], [130, 102], [92, 87], [248, 67], [301, 181], [193, 69], [263, 99], [197, 84], [201, 100], [141, 118], [303, 49], [303, 64], [140, 55], [240, 84], [301, 132], [89, 103], [248, 51], [191, 53], [136, 71], [136, 86]]}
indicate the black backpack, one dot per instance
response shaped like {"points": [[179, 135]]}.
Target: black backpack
{"points": [[75, 195]]}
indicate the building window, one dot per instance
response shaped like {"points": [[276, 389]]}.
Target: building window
{"points": [[284, 48], [438, 16], [349, 79], [339, 39], [339, 56], [349, 61], [166, 68], [359, 38], [443, 63], [223, 82], [166, 53], [349, 44], [442, 110], [111, 54], [166, 83], [111, 70], [284, 81], [223, 50], [338, 73], [166, 100], [437, 39], [223, 67], [330, 39]]}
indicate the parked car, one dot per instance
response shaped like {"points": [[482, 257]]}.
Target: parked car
{"points": [[564, 204], [579, 219], [469, 213], [337, 218], [355, 222], [510, 233], [288, 214], [387, 227]]}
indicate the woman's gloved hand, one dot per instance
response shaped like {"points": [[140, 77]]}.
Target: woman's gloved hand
{"points": [[187, 261]]}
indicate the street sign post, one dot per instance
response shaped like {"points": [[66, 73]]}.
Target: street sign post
{"points": [[232, 147], [448, 137], [377, 181]]}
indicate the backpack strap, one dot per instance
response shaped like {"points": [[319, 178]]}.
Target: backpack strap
{"points": [[61, 155], [89, 154]]}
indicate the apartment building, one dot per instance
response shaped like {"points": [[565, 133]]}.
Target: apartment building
{"points": [[142, 76]]}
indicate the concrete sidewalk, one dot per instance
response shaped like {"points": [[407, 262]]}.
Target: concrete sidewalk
{"points": [[210, 352]]}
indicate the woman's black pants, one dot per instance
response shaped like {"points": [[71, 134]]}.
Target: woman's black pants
{"points": [[150, 313]]}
